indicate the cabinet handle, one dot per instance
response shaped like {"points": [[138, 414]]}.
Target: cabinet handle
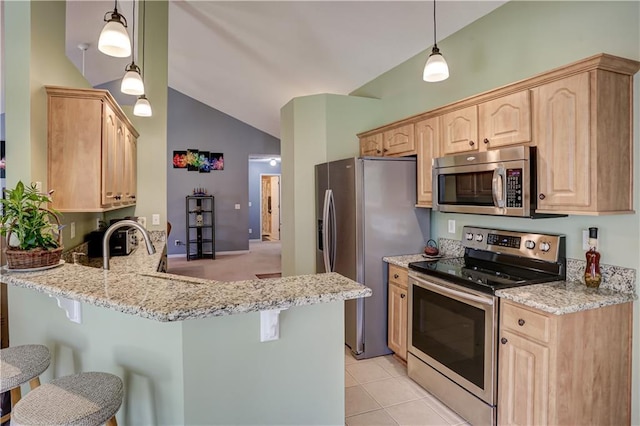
{"points": [[542, 196], [520, 322], [385, 150], [402, 296], [378, 151], [504, 340], [486, 140], [132, 196], [396, 276], [471, 143]]}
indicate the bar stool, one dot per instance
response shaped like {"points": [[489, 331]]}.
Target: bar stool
{"points": [[85, 399], [19, 365]]}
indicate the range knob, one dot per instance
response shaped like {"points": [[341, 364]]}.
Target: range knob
{"points": [[479, 237], [469, 236], [530, 244], [544, 246]]}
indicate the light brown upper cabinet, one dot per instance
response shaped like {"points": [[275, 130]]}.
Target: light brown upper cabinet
{"points": [[371, 146], [505, 121], [91, 151], [583, 134], [460, 131], [428, 145], [391, 141], [399, 141]]}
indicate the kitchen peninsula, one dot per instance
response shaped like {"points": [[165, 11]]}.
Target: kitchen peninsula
{"points": [[188, 349]]}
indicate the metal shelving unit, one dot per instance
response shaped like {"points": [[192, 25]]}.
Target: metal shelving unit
{"points": [[201, 231]]}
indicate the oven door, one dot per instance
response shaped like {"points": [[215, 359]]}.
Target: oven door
{"points": [[454, 330], [501, 188]]}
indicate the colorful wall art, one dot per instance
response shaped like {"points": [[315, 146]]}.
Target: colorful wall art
{"points": [[195, 160]]}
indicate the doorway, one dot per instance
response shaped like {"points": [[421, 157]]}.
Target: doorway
{"points": [[270, 207]]}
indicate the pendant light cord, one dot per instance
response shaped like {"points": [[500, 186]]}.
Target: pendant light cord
{"points": [[435, 44], [133, 35], [144, 18]]}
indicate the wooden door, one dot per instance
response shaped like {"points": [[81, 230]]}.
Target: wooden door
{"points": [[275, 208], [564, 150], [109, 156], [427, 139], [399, 141], [505, 121], [460, 130], [371, 146], [523, 381], [266, 209], [397, 327]]}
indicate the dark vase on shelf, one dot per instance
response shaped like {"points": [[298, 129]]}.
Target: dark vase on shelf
{"points": [[592, 275]]}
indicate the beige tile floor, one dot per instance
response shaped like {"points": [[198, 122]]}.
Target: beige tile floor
{"points": [[378, 392]]}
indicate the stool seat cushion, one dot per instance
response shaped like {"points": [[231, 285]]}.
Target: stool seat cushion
{"points": [[84, 399], [19, 364]]}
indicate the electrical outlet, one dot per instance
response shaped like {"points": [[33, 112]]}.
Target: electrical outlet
{"points": [[98, 223], [176, 243], [249, 203], [452, 226], [250, 231], [237, 206], [155, 219], [585, 240], [38, 186], [142, 220], [73, 230]]}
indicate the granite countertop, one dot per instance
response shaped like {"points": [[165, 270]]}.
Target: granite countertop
{"points": [[564, 297], [133, 286], [558, 297]]}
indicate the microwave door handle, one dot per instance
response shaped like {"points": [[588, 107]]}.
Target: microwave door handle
{"points": [[498, 187]]}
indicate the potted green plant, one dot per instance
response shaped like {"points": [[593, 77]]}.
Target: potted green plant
{"points": [[33, 240]]}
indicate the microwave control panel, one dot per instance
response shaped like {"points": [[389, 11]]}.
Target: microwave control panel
{"points": [[514, 188]]}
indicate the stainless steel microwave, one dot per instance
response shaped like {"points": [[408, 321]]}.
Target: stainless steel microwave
{"points": [[498, 182]]}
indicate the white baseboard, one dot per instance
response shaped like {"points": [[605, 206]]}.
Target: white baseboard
{"points": [[177, 255]]}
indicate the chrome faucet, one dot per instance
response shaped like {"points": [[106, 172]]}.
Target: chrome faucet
{"points": [[121, 223]]}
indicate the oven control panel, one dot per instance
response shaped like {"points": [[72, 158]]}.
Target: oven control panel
{"points": [[548, 247]]}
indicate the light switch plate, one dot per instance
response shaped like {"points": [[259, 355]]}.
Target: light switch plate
{"points": [[237, 206], [155, 219], [73, 230], [452, 226]]}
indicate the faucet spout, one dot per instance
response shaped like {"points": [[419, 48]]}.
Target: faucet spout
{"points": [[122, 223]]}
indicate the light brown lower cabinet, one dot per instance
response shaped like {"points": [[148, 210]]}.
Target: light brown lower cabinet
{"points": [[398, 310], [572, 369]]}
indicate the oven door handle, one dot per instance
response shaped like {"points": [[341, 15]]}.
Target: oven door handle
{"points": [[457, 294], [498, 187]]}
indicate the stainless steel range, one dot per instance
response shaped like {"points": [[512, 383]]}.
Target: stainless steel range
{"points": [[453, 313]]}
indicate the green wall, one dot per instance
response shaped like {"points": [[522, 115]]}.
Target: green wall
{"points": [[516, 41], [314, 129]]}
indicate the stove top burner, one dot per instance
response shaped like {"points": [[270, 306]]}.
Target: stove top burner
{"points": [[487, 278]]}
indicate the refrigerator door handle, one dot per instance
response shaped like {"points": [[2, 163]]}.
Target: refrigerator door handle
{"points": [[334, 237], [325, 234]]}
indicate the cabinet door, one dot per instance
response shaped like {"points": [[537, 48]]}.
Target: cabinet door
{"points": [[505, 121], [460, 131], [130, 168], [564, 149], [371, 146], [397, 338], [110, 156], [399, 141], [523, 381], [427, 138]]}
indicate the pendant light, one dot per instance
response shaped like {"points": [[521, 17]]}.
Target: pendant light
{"points": [[132, 81], [142, 108], [436, 68], [114, 38]]}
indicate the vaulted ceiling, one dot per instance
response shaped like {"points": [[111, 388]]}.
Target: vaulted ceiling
{"points": [[249, 58]]}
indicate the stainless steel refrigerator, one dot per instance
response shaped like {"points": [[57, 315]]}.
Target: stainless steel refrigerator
{"points": [[365, 210]]}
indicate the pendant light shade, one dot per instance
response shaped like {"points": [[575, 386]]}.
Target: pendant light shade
{"points": [[436, 68], [132, 81], [142, 107], [114, 38]]}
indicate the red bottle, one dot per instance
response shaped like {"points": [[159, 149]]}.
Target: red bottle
{"points": [[592, 276]]}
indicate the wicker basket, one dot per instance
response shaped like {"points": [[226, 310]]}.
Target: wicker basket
{"points": [[35, 258]]}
